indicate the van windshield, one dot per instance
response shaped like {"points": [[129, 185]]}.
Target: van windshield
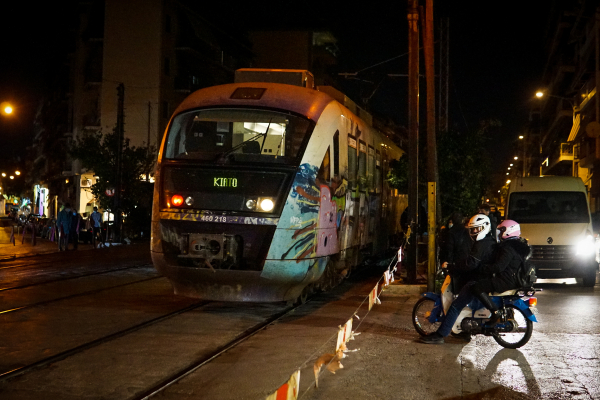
{"points": [[548, 207]]}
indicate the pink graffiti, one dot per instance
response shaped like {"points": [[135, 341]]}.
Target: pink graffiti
{"points": [[327, 239]]}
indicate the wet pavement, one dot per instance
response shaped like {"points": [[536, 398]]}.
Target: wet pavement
{"points": [[561, 361]]}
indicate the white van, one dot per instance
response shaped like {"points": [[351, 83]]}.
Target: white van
{"points": [[555, 219]]}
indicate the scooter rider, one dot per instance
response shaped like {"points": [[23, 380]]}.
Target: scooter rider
{"points": [[482, 252], [512, 251]]}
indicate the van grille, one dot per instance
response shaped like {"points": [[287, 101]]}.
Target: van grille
{"points": [[552, 252]]}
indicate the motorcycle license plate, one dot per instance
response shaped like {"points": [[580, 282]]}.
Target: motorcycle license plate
{"points": [[534, 310]]}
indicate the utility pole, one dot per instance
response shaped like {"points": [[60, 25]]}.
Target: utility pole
{"points": [[120, 134], [432, 172], [444, 74], [413, 138]]}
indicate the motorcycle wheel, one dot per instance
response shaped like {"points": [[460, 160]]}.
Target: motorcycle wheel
{"points": [[421, 312], [521, 332]]}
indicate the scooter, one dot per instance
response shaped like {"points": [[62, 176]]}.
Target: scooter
{"points": [[513, 330]]}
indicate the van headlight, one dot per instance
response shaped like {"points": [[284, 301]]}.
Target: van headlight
{"points": [[586, 247]]}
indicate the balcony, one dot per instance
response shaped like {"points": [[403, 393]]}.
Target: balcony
{"points": [[560, 158]]}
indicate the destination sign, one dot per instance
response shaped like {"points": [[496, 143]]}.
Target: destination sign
{"points": [[225, 182]]}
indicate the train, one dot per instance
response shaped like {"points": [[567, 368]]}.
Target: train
{"points": [[270, 188]]}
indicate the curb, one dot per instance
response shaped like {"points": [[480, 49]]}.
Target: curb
{"points": [[404, 290]]}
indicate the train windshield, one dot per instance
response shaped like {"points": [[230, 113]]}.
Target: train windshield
{"points": [[244, 135]]}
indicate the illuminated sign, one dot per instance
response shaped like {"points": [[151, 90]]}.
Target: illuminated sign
{"points": [[225, 182]]}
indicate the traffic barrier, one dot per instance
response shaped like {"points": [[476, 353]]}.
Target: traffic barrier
{"points": [[289, 390], [345, 333]]}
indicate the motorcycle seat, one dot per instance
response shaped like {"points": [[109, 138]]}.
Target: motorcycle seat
{"points": [[511, 292]]}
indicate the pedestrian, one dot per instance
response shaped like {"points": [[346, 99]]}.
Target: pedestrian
{"points": [[76, 224], [456, 247], [96, 220], [63, 227]]}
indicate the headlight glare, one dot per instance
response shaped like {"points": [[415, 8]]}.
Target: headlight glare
{"points": [[266, 205], [586, 247]]}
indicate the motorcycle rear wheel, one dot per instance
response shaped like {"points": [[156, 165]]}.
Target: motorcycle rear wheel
{"points": [[521, 332], [421, 312]]}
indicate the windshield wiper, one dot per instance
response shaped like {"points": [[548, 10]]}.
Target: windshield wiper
{"points": [[245, 142]]}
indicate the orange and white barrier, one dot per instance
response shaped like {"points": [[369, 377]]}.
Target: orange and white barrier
{"points": [[289, 390]]}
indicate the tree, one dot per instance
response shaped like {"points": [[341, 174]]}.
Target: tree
{"points": [[98, 152], [463, 169]]}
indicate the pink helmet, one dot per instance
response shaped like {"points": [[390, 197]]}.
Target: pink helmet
{"points": [[509, 229]]}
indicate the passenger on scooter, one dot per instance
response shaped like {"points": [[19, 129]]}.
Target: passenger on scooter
{"points": [[482, 252]]}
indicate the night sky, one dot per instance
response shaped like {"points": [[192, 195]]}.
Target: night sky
{"points": [[496, 57]]}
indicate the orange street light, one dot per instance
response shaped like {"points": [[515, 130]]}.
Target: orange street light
{"points": [[539, 94], [6, 108], [12, 177], [17, 172], [4, 174]]}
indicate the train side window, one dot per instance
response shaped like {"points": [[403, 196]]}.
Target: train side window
{"points": [[336, 153], [352, 162], [324, 174], [377, 171], [371, 168], [362, 165]]}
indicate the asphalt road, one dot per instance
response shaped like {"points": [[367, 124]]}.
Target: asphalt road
{"points": [[100, 297]]}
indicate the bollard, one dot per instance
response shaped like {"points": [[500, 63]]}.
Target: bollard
{"points": [[33, 242], [12, 235]]}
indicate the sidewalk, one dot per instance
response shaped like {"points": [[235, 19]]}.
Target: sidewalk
{"points": [[8, 251]]}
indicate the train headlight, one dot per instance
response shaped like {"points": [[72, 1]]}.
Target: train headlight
{"points": [[251, 204], [266, 204], [189, 201], [177, 200]]}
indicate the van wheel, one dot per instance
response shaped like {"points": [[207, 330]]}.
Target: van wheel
{"points": [[589, 280]]}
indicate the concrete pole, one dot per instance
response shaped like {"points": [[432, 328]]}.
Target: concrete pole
{"points": [[413, 138]]}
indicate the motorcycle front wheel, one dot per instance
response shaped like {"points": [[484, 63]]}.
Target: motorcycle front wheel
{"points": [[420, 316], [517, 331]]}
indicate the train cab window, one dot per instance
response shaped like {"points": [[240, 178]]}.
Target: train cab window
{"points": [[377, 171], [324, 174], [352, 162], [362, 165], [240, 134], [371, 168]]}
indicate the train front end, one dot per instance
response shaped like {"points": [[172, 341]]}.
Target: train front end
{"points": [[225, 170]]}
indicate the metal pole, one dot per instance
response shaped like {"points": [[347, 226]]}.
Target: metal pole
{"points": [[413, 137]]}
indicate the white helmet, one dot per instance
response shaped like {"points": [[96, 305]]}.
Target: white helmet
{"points": [[479, 226]]}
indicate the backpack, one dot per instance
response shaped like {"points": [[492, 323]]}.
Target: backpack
{"points": [[526, 276]]}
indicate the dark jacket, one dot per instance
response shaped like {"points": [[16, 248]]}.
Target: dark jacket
{"points": [[456, 245], [469, 269], [509, 255]]}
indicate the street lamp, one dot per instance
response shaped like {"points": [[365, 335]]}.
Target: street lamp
{"points": [[516, 158], [17, 172], [6, 108]]}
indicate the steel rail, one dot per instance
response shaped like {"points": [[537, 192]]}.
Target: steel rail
{"points": [[75, 277], [247, 334], [77, 295], [67, 353]]}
